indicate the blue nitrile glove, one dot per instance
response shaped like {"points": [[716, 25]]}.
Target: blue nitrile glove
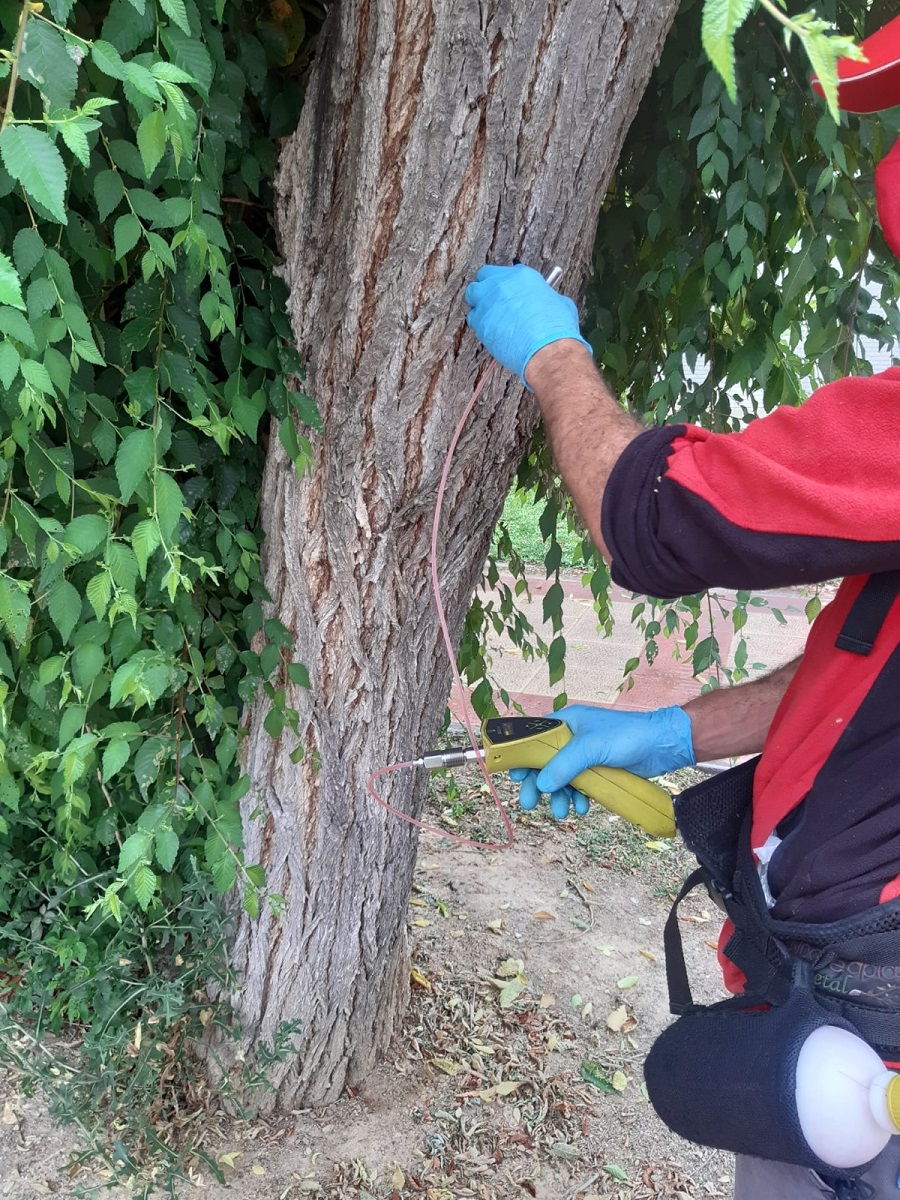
{"points": [[645, 743], [515, 313]]}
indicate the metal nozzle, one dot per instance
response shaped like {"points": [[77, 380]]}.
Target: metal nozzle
{"points": [[434, 760], [554, 275]]}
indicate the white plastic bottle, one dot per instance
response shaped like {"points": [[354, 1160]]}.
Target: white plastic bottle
{"points": [[847, 1101]]}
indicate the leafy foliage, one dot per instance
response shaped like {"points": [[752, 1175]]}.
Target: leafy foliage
{"points": [[738, 262], [145, 349]]}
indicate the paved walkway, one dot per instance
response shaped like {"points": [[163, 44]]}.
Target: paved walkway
{"points": [[594, 663]]}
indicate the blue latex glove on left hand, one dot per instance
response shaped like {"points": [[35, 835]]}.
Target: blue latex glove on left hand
{"points": [[645, 743], [515, 313]]}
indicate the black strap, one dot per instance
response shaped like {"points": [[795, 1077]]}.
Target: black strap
{"points": [[868, 614], [680, 998]]}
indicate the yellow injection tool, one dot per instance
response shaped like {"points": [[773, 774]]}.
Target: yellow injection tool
{"points": [[509, 742]]}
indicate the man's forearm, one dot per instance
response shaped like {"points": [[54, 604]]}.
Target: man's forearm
{"points": [[585, 425], [734, 721]]}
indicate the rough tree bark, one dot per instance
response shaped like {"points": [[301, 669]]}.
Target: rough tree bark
{"points": [[435, 136]]}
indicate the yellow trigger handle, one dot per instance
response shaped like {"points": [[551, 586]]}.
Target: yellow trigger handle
{"points": [[509, 742]]}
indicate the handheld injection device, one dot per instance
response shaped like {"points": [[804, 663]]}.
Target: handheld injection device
{"points": [[509, 742]]}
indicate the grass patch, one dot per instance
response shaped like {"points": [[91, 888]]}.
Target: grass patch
{"points": [[521, 516]]}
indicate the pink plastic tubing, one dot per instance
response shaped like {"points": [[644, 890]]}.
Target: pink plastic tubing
{"points": [[479, 388]]}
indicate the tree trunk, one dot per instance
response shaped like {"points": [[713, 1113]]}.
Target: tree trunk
{"points": [[434, 137]]}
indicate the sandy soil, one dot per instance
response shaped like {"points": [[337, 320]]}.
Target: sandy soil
{"points": [[538, 987]]}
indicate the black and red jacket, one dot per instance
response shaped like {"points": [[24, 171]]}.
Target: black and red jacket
{"points": [[801, 496]]}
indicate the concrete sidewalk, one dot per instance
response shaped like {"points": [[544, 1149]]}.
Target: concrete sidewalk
{"points": [[594, 663]]}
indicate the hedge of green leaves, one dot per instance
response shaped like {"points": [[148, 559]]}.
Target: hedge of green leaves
{"points": [[144, 350]]}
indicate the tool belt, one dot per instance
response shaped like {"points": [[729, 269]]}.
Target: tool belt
{"points": [[854, 963]]}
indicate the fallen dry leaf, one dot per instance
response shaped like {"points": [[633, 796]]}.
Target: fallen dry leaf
{"points": [[617, 1018]]}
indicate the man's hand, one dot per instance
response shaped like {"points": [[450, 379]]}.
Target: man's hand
{"points": [[645, 743], [515, 313]]}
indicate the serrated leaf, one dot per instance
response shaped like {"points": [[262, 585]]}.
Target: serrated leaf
{"points": [[166, 848], [9, 364], [169, 504], [86, 533], [176, 10], [297, 673], [141, 79], [143, 883], [247, 410], [99, 594], [135, 849], [15, 610], [16, 325], [108, 59], [46, 64], [147, 763], [115, 756], [126, 234], [151, 140], [144, 540], [721, 20], [11, 285], [87, 663], [64, 606], [32, 159], [74, 134], [191, 55], [108, 192], [224, 873], [594, 1073], [133, 461], [28, 250]]}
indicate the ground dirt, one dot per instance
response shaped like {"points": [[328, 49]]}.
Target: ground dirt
{"points": [[538, 988]]}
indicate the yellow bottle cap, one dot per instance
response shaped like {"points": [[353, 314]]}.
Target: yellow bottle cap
{"points": [[892, 1096]]}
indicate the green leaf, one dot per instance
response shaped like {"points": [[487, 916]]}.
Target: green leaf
{"points": [[28, 250], [144, 540], [151, 140], [147, 763], [169, 504], [721, 20], [135, 849], [224, 873], [115, 756], [248, 410], [32, 159], [126, 234], [10, 284], [86, 533], [108, 192], [191, 55], [61, 10], [298, 674], [133, 461], [87, 663], [74, 134], [46, 64], [108, 59], [594, 1073], [144, 883], [9, 364], [99, 593], [166, 848], [15, 609], [64, 606], [15, 324], [176, 10]]}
